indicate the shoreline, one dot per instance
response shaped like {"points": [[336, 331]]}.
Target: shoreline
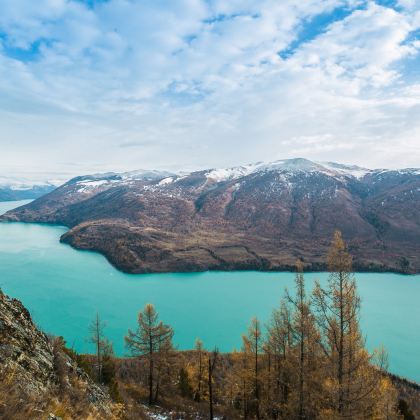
{"points": [[308, 268]]}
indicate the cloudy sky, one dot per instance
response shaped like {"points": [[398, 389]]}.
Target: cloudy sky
{"points": [[90, 85]]}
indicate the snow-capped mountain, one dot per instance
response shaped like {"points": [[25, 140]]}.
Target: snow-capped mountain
{"points": [[262, 215], [13, 188], [287, 166], [91, 183]]}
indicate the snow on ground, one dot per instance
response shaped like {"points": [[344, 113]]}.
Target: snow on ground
{"points": [[349, 170], [228, 174], [288, 165], [93, 184], [89, 185], [166, 181], [146, 175]]}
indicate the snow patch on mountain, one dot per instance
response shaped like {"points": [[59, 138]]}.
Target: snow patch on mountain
{"points": [[228, 174], [166, 181], [349, 170], [146, 175], [286, 169], [87, 185], [298, 164], [286, 165]]}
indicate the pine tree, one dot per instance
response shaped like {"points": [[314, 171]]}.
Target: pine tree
{"points": [[151, 339]]}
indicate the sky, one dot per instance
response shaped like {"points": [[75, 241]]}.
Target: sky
{"points": [[113, 85]]}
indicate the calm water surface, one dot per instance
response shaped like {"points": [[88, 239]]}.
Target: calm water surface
{"points": [[64, 288]]}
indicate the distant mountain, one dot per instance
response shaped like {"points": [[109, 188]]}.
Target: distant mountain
{"points": [[258, 216], [14, 189], [12, 194]]}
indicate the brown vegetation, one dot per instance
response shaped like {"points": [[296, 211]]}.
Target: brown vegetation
{"points": [[264, 220], [308, 362]]}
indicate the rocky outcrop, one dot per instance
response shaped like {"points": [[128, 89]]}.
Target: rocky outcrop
{"points": [[258, 216], [38, 376]]}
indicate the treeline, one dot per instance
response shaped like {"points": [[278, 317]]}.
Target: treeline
{"points": [[308, 362]]}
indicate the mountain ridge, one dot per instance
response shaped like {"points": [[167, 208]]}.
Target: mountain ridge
{"points": [[258, 216]]}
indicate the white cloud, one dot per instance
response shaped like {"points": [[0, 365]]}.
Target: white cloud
{"points": [[131, 84]]}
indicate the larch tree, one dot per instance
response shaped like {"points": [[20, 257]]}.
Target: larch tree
{"points": [[253, 346], [355, 375], [199, 351], [245, 378], [97, 338], [279, 344], [150, 339], [306, 353], [211, 366]]}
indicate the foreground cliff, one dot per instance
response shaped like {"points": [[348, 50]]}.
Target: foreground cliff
{"points": [[260, 216], [38, 377]]}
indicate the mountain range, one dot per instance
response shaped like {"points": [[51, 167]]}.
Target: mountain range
{"points": [[260, 216], [14, 189]]}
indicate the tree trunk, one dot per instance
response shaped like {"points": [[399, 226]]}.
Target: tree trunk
{"points": [[301, 379], [200, 373], [210, 390], [257, 386], [98, 348], [150, 369], [341, 351]]}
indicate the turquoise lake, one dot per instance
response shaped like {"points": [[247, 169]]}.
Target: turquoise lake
{"points": [[64, 288]]}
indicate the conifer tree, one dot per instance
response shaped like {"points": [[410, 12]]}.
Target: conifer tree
{"points": [[97, 338], [109, 370], [279, 344], [199, 369], [253, 345], [235, 381], [151, 339], [306, 355], [184, 383], [212, 360], [355, 375]]}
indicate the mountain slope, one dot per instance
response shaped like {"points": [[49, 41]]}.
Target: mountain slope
{"points": [[260, 216], [37, 376]]}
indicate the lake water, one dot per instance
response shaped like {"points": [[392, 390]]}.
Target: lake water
{"points": [[64, 288]]}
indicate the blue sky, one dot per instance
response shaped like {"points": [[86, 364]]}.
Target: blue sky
{"points": [[88, 86]]}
